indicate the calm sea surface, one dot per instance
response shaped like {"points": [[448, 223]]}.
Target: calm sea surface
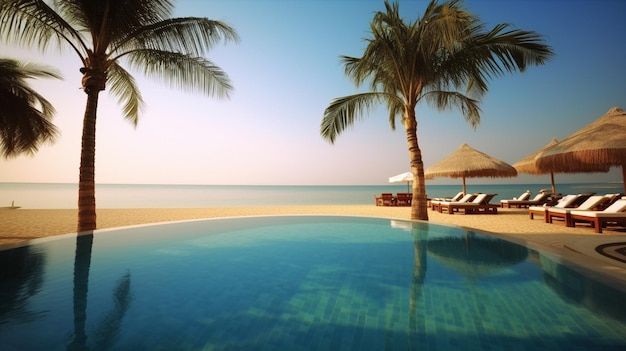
{"points": [[64, 196]]}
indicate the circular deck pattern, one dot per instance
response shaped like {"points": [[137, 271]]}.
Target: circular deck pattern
{"points": [[615, 251]]}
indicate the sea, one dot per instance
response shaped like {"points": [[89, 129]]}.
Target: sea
{"points": [[65, 195]]}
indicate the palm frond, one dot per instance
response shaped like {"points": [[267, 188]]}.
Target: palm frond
{"points": [[33, 22], [110, 20], [446, 100], [13, 80], [191, 35], [184, 72], [123, 86], [487, 55], [25, 116], [342, 113]]}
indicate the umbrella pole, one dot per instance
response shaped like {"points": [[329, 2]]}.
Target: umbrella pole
{"points": [[464, 192], [624, 177], [552, 179]]}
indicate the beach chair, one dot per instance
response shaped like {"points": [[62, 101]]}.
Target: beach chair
{"points": [[592, 203], [611, 199], [436, 205], [539, 199], [479, 205], [565, 202], [613, 215], [456, 197], [403, 199], [525, 196], [385, 199]]}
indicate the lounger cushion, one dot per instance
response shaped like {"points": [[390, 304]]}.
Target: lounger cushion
{"points": [[566, 201], [616, 210], [599, 214], [588, 205]]}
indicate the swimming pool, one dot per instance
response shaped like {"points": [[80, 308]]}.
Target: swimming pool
{"points": [[299, 283]]}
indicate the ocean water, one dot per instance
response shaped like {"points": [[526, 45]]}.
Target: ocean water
{"points": [[64, 196]]}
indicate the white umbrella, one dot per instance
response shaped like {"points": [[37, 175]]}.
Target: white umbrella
{"points": [[401, 178]]}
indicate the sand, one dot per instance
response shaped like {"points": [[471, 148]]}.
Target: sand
{"points": [[19, 226]]}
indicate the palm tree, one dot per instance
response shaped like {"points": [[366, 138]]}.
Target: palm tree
{"points": [[103, 33], [431, 59], [25, 114]]}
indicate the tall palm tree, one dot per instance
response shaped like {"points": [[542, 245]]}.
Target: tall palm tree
{"points": [[431, 59], [25, 116], [106, 33]]}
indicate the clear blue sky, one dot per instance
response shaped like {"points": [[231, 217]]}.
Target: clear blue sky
{"points": [[286, 70]]}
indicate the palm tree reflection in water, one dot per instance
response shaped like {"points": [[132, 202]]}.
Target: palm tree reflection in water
{"points": [[420, 246], [108, 329], [21, 277]]}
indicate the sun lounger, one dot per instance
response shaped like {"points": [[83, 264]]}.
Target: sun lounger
{"points": [[385, 199], [614, 214], [592, 203], [565, 202], [456, 197], [524, 197], [611, 199], [479, 205], [435, 205], [538, 200]]}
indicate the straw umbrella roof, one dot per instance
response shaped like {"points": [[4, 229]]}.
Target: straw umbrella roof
{"points": [[529, 164], [467, 162], [594, 148]]}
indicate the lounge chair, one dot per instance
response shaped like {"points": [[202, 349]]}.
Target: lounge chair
{"points": [[525, 196], [614, 214], [539, 199], [611, 199], [480, 204], [565, 202], [435, 205], [403, 199], [592, 203], [385, 199], [456, 197]]}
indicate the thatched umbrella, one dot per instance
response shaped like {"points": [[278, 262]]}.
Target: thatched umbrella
{"points": [[528, 164], [467, 162], [594, 148]]}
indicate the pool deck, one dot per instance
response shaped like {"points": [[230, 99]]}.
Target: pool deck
{"points": [[579, 244]]}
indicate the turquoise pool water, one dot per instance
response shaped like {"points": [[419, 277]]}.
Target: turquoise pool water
{"points": [[299, 283]]}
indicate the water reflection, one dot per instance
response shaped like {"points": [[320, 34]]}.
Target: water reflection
{"points": [[21, 277], [420, 266], [82, 262], [579, 290], [109, 328], [475, 256]]}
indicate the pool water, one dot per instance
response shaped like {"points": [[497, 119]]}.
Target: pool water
{"points": [[299, 283]]}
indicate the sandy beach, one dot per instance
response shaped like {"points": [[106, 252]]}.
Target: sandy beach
{"points": [[19, 226]]}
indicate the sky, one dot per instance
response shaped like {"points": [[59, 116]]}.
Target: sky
{"points": [[286, 70]]}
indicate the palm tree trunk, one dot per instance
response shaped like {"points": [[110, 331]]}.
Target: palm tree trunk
{"points": [[419, 208], [87, 183]]}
